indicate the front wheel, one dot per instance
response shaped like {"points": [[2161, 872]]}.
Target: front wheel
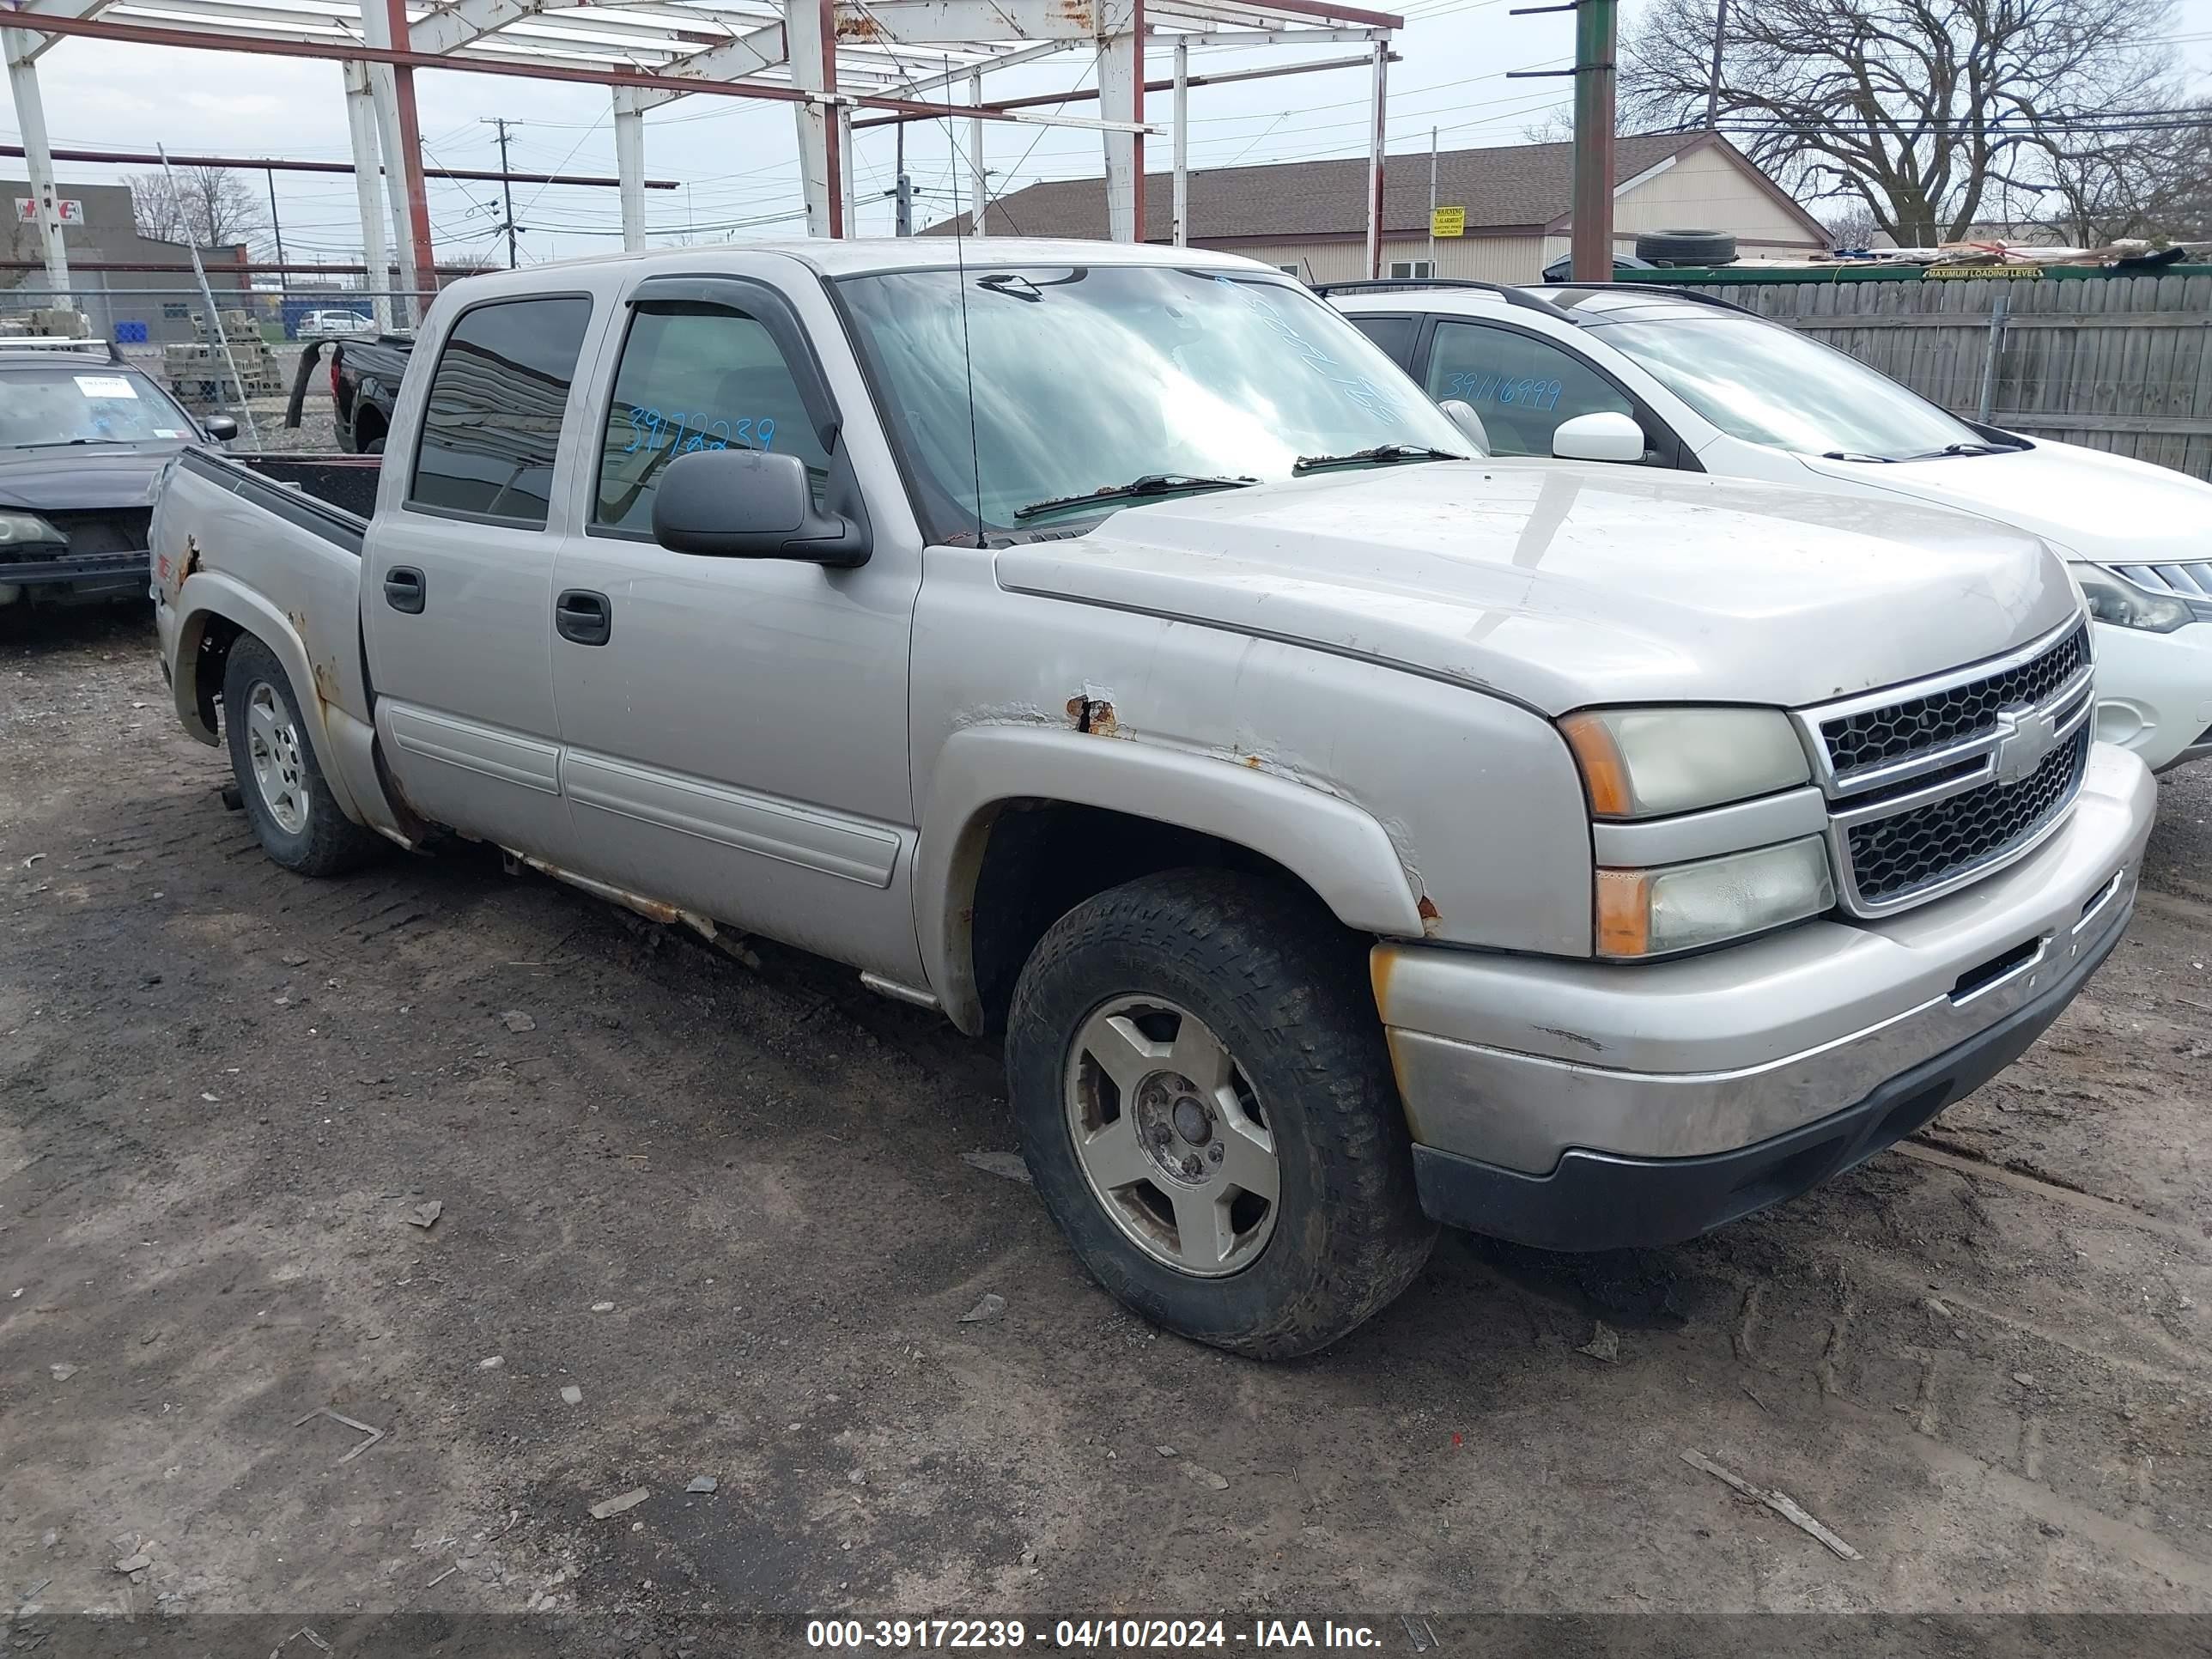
{"points": [[1206, 1104], [280, 782]]}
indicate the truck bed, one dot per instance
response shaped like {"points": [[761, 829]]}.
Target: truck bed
{"points": [[337, 492]]}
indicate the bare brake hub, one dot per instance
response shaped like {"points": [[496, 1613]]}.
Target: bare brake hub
{"points": [[1175, 1124]]}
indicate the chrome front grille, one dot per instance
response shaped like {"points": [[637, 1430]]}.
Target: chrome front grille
{"points": [[1937, 783], [1949, 714], [1894, 857]]}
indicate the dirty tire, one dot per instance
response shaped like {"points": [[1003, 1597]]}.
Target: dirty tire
{"points": [[328, 843], [1274, 976]]}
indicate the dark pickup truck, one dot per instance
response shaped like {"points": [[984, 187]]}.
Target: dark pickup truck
{"points": [[364, 382]]}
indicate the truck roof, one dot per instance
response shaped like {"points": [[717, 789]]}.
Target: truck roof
{"points": [[866, 255]]}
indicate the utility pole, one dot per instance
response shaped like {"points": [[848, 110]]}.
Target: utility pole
{"points": [[1596, 29], [1432, 201], [275, 225], [1713, 81], [507, 186], [903, 191]]}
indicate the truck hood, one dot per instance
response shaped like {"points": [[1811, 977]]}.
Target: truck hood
{"points": [[1561, 586], [82, 476], [2087, 504]]}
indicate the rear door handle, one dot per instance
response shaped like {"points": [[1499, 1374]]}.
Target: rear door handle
{"points": [[583, 616], [404, 589]]}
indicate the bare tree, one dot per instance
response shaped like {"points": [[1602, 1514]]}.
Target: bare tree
{"points": [[2152, 180], [214, 207], [1917, 109], [1851, 225]]}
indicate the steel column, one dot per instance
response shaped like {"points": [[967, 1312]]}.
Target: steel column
{"points": [[979, 187], [630, 166], [1382, 109], [811, 36], [361, 127], [1121, 97], [1182, 144], [18, 47]]}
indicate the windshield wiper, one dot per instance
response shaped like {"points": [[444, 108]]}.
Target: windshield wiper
{"points": [[1380, 455], [63, 443], [1854, 455], [1152, 484], [1969, 448]]}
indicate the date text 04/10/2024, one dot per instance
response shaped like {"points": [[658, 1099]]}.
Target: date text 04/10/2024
{"points": [[1087, 1635]]}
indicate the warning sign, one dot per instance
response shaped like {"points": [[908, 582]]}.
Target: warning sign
{"points": [[1447, 222]]}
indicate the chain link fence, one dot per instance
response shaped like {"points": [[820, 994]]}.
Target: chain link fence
{"points": [[244, 360]]}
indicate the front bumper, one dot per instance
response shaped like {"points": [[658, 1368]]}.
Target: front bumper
{"points": [[1727, 1081], [2154, 692], [85, 577]]}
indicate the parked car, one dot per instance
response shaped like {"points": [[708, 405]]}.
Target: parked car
{"points": [[322, 324], [84, 438], [1107, 646], [1673, 379]]}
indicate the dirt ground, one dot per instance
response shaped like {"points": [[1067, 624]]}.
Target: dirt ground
{"points": [[729, 1204]]}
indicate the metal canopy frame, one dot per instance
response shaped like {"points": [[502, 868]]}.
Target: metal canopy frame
{"points": [[827, 58]]}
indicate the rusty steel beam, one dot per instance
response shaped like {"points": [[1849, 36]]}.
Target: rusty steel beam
{"points": [[95, 28], [217, 271], [270, 164], [1089, 94]]}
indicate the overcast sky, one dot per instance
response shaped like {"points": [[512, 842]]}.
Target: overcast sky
{"points": [[735, 159]]}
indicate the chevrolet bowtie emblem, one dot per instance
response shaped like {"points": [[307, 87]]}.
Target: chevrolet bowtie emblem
{"points": [[2025, 736]]}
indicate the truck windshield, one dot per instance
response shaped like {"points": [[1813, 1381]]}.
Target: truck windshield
{"points": [[1770, 384], [1122, 383], [72, 403]]}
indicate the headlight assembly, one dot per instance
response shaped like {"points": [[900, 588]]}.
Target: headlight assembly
{"points": [[1679, 907], [27, 529], [2116, 600], [1646, 762]]}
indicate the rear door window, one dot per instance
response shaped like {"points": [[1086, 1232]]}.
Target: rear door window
{"points": [[1393, 334], [492, 421], [1522, 386], [695, 376]]}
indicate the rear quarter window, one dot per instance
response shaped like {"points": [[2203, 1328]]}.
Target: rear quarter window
{"points": [[491, 424]]}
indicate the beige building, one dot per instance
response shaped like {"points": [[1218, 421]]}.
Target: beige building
{"points": [[1310, 217]]}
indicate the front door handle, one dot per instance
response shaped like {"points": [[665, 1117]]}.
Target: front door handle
{"points": [[404, 589], [584, 616]]}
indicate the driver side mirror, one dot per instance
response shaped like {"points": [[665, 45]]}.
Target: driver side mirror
{"points": [[1606, 435], [1462, 415], [221, 427], [750, 504]]}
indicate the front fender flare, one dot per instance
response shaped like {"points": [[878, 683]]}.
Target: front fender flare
{"points": [[1335, 848]]}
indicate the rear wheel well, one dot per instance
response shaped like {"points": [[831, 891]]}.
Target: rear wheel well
{"points": [[368, 424], [1043, 858], [210, 660]]}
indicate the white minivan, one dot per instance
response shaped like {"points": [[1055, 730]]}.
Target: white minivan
{"points": [[1661, 377]]}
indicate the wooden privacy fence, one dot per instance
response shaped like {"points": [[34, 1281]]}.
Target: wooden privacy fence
{"points": [[2116, 362]]}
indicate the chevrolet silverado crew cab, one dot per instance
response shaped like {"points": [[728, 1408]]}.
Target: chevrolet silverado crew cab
{"points": [[1108, 646]]}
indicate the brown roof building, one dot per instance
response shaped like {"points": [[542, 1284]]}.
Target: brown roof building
{"points": [[1310, 217]]}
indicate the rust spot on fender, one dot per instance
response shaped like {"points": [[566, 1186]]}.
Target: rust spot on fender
{"points": [[192, 557], [1094, 716], [1431, 918]]}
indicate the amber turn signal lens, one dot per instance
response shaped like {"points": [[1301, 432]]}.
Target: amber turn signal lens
{"points": [[1605, 774], [1624, 913]]}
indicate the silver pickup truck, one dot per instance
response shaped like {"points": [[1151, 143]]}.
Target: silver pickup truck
{"points": [[1107, 646]]}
